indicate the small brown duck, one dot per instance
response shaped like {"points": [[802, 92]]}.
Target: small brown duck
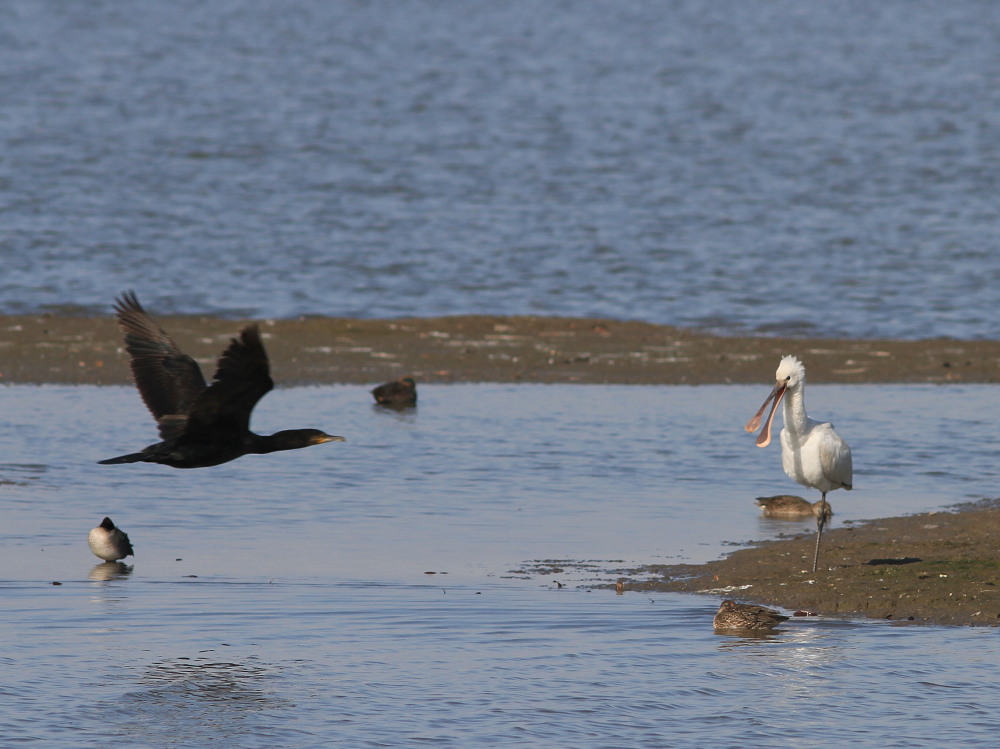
{"points": [[790, 506], [109, 542], [732, 615], [401, 393]]}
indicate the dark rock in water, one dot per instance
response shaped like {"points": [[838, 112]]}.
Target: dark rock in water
{"points": [[401, 393]]}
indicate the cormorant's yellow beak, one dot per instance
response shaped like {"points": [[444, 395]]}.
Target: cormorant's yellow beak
{"points": [[326, 438]]}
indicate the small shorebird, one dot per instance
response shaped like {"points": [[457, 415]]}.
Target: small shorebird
{"points": [[200, 424], [108, 542], [812, 453], [732, 615], [790, 506], [401, 393]]}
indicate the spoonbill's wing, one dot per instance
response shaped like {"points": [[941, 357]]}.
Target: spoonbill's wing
{"points": [[835, 457]]}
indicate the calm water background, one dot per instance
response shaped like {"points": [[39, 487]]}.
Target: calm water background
{"points": [[788, 167], [284, 600], [826, 168]]}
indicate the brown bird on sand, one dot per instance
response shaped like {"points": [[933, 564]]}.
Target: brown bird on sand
{"points": [[401, 393], [732, 615], [790, 506], [200, 424]]}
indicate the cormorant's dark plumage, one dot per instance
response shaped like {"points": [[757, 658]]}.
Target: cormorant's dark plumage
{"points": [[201, 424], [401, 393]]}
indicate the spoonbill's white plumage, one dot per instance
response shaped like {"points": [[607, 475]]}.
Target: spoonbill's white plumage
{"points": [[812, 453]]}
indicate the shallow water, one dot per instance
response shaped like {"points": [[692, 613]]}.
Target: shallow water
{"points": [[803, 167], [285, 600]]}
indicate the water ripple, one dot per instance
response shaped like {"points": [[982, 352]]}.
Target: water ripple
{"points": [[720, 166]]}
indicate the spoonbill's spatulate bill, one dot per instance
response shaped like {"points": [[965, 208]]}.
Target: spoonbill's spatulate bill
{"points": [[812, 453]]}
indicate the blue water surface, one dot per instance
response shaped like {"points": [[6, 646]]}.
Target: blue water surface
{"points": [[820, 168], [400, 588]]}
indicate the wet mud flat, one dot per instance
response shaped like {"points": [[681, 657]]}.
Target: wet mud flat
{"points": [[481, 348], [939, 568], [931, 568]]}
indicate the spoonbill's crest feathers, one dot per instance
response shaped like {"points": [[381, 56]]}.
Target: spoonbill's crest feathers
{"points": [[790, 371]]}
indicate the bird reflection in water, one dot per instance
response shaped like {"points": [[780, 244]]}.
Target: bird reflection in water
{"points": [[109, 571]]}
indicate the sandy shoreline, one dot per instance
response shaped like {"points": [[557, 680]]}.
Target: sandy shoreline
{"points": [[940, 568], [80, 350], [930, 568]]}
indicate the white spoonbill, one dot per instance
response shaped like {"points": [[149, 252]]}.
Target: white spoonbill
{"points": [[812, 453]]}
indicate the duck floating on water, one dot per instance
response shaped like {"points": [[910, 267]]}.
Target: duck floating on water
{"points": [[732, 615], [791, 506], [109, 542], [401, 393]]}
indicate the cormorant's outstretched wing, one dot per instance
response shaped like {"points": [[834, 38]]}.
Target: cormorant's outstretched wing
{"points": [[242, 378], [169, 380]]}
